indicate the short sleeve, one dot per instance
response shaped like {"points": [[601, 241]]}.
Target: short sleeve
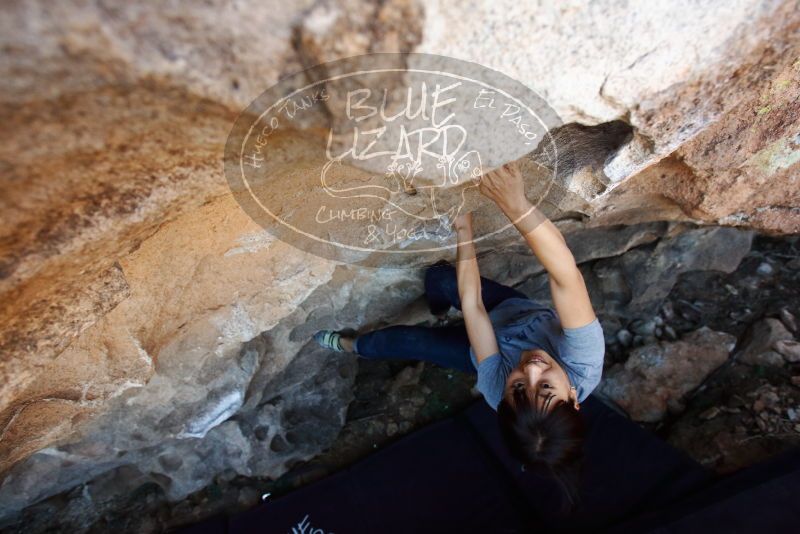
{"points": [[581, 353], [491, 379]]}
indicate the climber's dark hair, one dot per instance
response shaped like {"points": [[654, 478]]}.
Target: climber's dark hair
{"points": [[546, 441]]}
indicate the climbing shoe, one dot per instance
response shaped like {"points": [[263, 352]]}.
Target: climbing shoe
{"points": [[329, 339]]}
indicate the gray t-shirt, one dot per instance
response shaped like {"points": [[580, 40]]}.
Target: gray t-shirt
{"points": [[523, 324]]}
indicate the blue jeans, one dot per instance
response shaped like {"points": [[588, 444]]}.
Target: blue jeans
{"points": [[447, 346]]}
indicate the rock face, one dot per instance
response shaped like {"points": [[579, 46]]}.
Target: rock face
{"points": [[763, 338], [690, 79], [656, 377], [149, 325], [743, 428], [631, 278]]}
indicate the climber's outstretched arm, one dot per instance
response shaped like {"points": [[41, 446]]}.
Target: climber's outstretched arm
{"points": [[505, 187], [476, 319]]}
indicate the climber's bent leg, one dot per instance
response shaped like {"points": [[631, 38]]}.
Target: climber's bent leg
{"points": [[441, 290]]}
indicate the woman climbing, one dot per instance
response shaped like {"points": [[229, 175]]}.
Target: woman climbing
{"points": [[535, 365]]}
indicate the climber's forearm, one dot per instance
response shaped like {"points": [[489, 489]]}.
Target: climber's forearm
{"points": [[567, 287], [506, 188], [545, 240], [468, 275], [476, 319]]}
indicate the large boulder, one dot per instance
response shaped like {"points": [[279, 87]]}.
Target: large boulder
{"points": [[136, 295], [656, 378]]}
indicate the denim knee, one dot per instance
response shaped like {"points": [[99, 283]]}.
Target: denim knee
{"points": [[439, 274], [441, 288]]}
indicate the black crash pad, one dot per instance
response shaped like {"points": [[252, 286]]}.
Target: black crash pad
{"points": [[762, 498], [455, 476]]}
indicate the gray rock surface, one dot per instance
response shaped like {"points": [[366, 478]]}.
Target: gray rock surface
{"points": [[517, 263], [635, 283], [183, 436], [199, 419]]}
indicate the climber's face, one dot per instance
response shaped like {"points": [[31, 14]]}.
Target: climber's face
{"points": [[543, 379]]}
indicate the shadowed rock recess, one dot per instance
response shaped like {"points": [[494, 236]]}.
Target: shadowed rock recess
{"points": [[153, 333]]}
